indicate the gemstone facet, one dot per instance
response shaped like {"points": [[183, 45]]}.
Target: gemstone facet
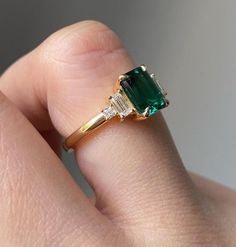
{"points": [[143, 91]]}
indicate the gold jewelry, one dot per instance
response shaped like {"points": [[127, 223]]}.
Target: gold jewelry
{"points": [[137, 93]]}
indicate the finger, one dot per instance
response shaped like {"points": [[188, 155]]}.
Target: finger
{"points": [[40, 204], [134, 166], [221, 205]]}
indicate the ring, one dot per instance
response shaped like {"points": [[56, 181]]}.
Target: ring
{"points": [[137, 93]]}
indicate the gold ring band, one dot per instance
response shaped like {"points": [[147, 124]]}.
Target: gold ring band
{"points": [[86, 128], [137, 93]]}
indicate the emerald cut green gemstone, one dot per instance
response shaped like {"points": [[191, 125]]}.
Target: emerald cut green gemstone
{"points": [[143, 91]]}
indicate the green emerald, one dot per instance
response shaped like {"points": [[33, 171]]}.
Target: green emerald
{"points": [[143, 91]]}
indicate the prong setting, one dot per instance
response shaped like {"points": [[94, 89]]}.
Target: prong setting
{"points": [[143, 90], [153, 76], [143, 67], [167, 102], [122, 117], [122, 104], [120, 90], [145, 114], [122, 77]]}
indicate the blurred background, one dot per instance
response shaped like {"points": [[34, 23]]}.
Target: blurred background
{"points": [[190, 44]]}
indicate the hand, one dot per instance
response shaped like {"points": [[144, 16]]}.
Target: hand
{"points": [[144, 196]]}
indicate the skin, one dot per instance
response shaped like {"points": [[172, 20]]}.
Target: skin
{"points": [[143, 194]]}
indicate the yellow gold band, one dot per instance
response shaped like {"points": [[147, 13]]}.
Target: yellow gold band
{"points": [[119, 105], [85, 129]]}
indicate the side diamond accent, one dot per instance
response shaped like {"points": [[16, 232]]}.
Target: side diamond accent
{"points": [[120, 105], [163, 91], [109, 112], [156, 80]]}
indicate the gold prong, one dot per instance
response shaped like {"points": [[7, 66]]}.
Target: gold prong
{"points": [[122, 77], [144, 67], [167, 102], [145, 114], [139, 117], [153, 76], [120, 90], [122, 117]]}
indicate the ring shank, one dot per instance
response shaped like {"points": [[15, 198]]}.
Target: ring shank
{"points": [[86, 128]]}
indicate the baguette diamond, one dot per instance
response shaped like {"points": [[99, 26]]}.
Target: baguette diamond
{"points": [[109, 112], [120, 104]]}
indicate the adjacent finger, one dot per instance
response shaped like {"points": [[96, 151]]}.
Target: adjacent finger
{"points": [[40, 204]]}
